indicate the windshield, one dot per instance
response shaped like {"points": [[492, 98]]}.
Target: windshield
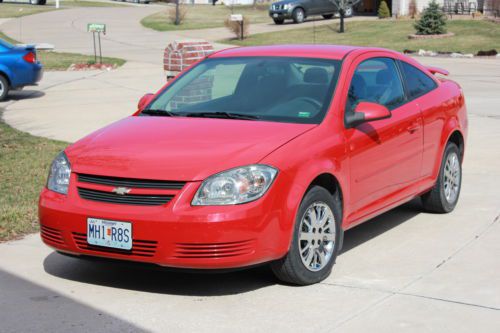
{"points": [[282, 89]]}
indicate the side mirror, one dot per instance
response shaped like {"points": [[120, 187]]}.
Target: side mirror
{"points": [[144, 101], [365, 112]]}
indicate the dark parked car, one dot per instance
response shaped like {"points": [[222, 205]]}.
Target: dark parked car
{"points": [[298, 10], [19, 67]]}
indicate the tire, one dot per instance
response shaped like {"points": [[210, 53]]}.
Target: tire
{"points": [[279, 21], [34, 2], [349, 11], [298, 15], [327, 16], [299, 269], [42, 2], [4, 87], [443, 197]]}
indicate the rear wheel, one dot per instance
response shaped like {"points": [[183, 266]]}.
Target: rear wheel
{"points": [[443, 197], [315, 242], [4, 87], [298, 15], [349, 11], [327, 16], [278, 20]]}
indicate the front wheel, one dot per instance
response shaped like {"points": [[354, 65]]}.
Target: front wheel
{"points": [[4, 87], [443, 197], [316, 239], [298, 15], [348, 11]]}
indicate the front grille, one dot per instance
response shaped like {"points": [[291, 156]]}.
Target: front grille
{"points": [[213, 250], [51, 235], [140, 248], [128, 199], [131, 182]]}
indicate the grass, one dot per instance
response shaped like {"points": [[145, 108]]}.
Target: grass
{"points": [[470, 36], [14, 9], [60, 61], [24, 165], [203, 17]]}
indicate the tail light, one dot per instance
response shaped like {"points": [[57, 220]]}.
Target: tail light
{"points": [[30, 57]]}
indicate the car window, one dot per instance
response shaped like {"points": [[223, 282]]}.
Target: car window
{"points": [[284, 89], [376, 80], [417, 82]]}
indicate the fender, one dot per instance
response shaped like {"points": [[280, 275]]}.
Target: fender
{"points": [[449, 128], [5, 71]]}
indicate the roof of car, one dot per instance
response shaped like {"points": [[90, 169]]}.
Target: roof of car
{"points": [[337, 52]]}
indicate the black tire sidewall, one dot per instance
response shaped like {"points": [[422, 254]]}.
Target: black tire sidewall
{"points": [[6, 87], [315, 194], [450, 148]]}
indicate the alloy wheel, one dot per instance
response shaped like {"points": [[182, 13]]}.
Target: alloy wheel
{"points": [[317, 236], [452, 178]]}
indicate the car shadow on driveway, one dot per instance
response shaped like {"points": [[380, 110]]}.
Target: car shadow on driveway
{"points": [[149, 278], [18, 95], [30, 307]]}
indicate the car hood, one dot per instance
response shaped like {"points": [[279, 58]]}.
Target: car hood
{"points": [[177, 148]]}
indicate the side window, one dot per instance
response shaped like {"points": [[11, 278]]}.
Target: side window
{"points": [[376, 80], [418, 82]]}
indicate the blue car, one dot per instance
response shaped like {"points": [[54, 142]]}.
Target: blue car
{"points": [[19, 67]]}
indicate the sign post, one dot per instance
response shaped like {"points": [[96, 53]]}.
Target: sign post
{"points": [[97, 28], [238, 18]]}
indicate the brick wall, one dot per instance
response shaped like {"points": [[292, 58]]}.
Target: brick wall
{"points": [[200, 90]]}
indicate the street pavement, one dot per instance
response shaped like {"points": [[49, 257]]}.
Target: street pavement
{"points": [[402, 271]]}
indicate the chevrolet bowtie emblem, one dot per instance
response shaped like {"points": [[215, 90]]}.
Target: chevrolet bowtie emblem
{"points": [[121, 190]]}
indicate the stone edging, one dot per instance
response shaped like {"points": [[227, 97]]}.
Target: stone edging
{"points": [[413, 36]]}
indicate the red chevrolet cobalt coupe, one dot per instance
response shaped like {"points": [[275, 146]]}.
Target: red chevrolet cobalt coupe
{"points": [[260, 154]]}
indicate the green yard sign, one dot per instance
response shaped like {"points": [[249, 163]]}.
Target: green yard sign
{"points": [[96, 27]]}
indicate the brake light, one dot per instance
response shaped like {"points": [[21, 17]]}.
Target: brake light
{"points": [[30, 57]]}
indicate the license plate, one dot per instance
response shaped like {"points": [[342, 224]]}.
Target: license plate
{"points": [[275, 15], [107, 233]]}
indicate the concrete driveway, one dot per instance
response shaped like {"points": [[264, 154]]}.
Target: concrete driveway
{"points": [[402, 271]]}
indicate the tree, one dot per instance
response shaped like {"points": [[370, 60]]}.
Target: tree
{"points": [[383, 10], [412, 9], [432, 22], [342, 7]]}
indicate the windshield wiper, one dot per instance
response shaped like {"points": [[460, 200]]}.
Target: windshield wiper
{"points": [[221, 114], [158, 112]]}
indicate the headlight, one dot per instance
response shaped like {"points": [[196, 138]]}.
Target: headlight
{"points": [[235, 186], [60, 170], [287, 6]]}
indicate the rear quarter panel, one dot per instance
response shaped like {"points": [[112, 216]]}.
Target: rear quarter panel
{"points": [[444, 112]]}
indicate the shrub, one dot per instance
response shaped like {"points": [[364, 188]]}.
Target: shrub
{"points": [[235, 26], [383, 10], [182, 14], [432, 22], [412, 8]]}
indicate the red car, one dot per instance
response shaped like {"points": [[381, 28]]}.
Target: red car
{"points": [[260, 155]]}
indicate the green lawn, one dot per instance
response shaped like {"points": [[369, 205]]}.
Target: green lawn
{"points": [[11, 9], [60, 61], [470, 36], [24, 165], [203, 16]]}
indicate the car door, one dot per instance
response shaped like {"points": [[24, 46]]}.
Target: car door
{"points": [[315, 7], [385, 156]]}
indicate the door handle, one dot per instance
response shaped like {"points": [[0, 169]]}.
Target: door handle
{"points": [[413, 128]]}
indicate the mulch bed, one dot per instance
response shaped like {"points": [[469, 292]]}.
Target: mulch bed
{"points": [[414, 36]]}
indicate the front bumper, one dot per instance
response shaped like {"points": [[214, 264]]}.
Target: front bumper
{"points": [[175, 234], [280, 14]]}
